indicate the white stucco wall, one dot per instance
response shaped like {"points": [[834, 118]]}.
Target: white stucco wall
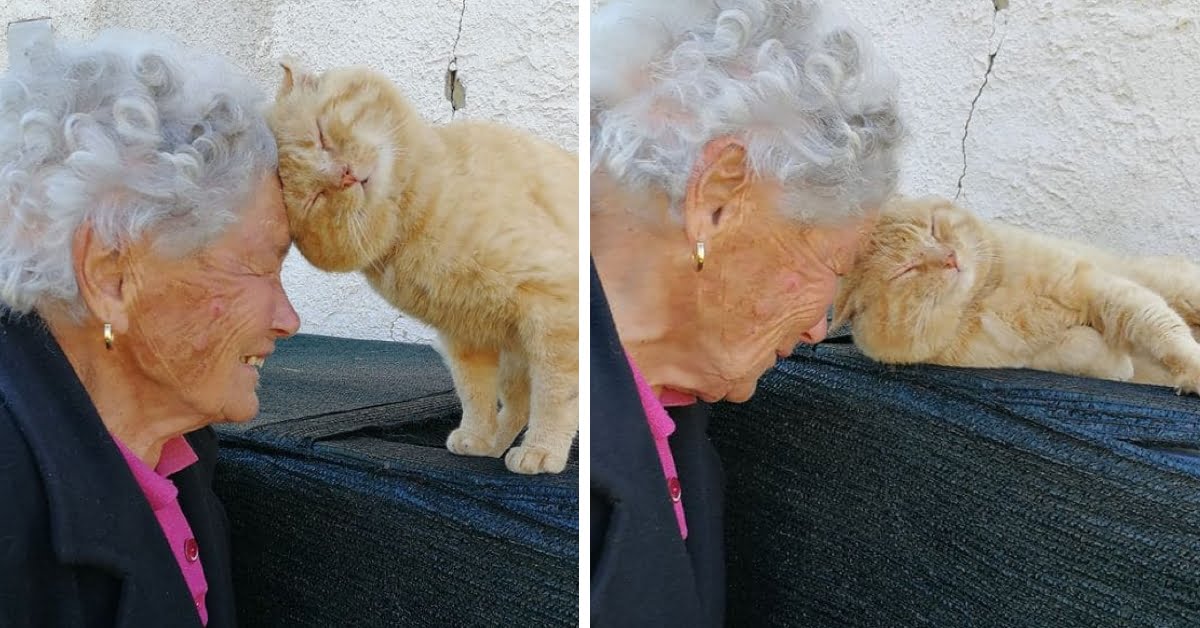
{"points": [[1088, 127], [518, 60]]}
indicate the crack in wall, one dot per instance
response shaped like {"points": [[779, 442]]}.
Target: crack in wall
{"points": [[987, 74], [452, 67], [396, 321]]}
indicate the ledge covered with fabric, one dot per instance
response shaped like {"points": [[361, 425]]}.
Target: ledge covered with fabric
{"points": [[865, 495], [346, 508]]}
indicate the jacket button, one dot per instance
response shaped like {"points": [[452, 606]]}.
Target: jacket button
{"points": [[674, 488], [191, 551]]}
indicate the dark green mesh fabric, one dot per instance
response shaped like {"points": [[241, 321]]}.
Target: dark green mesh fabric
{"points": [[347, 510], [865, 495]]}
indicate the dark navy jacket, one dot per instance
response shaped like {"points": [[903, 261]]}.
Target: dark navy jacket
{"points": [[643, 572], [79, 544]]}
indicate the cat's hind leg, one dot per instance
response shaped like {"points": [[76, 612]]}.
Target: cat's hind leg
{"points": [[475, 374], [1131, 312], [552, 349], [1083, 351]]}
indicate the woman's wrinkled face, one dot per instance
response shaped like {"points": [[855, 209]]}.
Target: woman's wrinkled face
{"points": [[766, 286], [202, 326]]}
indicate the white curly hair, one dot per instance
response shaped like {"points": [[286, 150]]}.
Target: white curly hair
{"points": [[796, 80], [132, 132]]}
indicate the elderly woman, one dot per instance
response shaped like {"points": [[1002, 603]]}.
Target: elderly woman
{"points": [[739, 149], [142, 232]]}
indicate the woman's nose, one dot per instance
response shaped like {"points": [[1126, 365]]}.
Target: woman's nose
{"points": [[816, 333], [287, 321]]}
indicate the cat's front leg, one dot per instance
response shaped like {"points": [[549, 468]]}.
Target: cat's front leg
{"points": [[1128, 311], [553, 356], [514, 400], [1083, 351], [1177, 280], [474, 372]]}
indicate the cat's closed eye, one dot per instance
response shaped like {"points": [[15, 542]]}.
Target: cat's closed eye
{"points": [[321, 137], [903, 272], [314, 200]]}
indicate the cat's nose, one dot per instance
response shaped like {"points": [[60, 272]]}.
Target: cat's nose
{"points": [[348, 178], [951, 260]]}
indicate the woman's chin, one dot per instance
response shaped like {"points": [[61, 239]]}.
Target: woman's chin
{"points": [[741, 393], [734, 393], [243, 410]]}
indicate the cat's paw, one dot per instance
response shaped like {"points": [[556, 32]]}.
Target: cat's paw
{"points": [[1123, 370], [1185, 372], [1188, 382], [533, 459], [466, 443], [1187, 386]]}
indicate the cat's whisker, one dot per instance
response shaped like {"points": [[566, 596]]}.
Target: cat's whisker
{"points": [[359, 233]]}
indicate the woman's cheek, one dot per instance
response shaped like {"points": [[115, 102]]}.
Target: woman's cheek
{"points": [[215, 311]]}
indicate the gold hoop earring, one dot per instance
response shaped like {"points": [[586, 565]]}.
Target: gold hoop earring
{"points": [[698, 255], [108, 336]]}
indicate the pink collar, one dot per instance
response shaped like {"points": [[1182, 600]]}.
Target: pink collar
{"points": [[177, 455], [674, 398]]}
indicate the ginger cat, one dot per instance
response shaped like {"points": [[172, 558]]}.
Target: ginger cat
{"points": [[936, 284], [470, 227]]}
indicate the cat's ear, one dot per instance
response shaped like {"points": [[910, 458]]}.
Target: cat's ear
{"points": [[718, 180], [293, 74]]}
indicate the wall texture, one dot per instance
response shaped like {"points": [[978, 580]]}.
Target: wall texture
{"points": [[1088, 125], [517, 59]]}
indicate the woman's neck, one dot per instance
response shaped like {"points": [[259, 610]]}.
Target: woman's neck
{"points": [[127, 404], [650, 283]]}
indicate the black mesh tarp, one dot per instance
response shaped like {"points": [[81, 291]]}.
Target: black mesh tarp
{"points": [[346, 509], [866, 495]]}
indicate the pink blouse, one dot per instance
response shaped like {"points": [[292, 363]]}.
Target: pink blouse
{"points": [[160, 491], [661, 427]]}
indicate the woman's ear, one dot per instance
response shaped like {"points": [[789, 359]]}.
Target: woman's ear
{"points": [[715, 188], [100, 275]]}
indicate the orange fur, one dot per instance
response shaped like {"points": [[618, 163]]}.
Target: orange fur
{"points": [[936, 284], [470, 227]]}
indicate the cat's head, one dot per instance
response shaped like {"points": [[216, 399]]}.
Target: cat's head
{"points": [[335, 156], [917, 272]]}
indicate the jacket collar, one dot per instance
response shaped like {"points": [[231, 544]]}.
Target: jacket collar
{"points": [[98, 516]]}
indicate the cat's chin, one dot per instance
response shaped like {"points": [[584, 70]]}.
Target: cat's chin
{"points": [[324, 260], [958, 280]]}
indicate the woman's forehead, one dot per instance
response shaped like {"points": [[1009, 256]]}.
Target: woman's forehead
{"points": [[263, 225]]}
